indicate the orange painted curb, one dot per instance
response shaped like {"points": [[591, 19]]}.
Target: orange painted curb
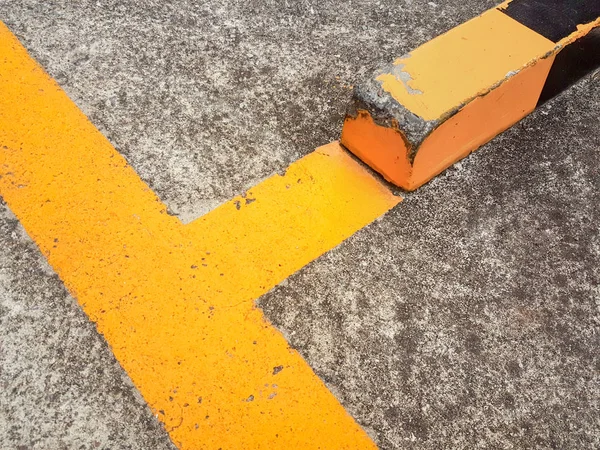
{"points": [[434, 106]]}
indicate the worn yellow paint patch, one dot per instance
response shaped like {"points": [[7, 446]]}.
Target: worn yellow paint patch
{"points": [[467, 61], [175, 302]]}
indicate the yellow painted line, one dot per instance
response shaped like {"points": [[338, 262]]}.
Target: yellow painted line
{"points": [[175, 302]]}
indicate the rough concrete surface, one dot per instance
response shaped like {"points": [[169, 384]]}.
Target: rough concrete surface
{"points": [[465, 318]]}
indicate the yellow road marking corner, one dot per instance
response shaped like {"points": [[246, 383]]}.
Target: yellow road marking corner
{"points": [[174, 301]]}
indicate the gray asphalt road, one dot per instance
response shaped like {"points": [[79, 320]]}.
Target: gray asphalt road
{"points": [[467, 317]]}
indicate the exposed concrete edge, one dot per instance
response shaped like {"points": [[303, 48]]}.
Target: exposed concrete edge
{"points": [[386, 111]]}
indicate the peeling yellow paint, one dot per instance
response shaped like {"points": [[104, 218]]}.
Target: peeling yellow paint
{"points": [[582, 30], [175, 302], [466, 62]]}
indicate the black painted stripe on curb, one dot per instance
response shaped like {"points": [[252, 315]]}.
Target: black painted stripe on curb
{"points": [[553, 19], [573, 62]]}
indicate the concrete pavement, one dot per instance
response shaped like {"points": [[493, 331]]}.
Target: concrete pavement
{"points": [[466, 317]]}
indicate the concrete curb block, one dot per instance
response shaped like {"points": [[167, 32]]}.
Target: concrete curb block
{"points": [[432, 107]]}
